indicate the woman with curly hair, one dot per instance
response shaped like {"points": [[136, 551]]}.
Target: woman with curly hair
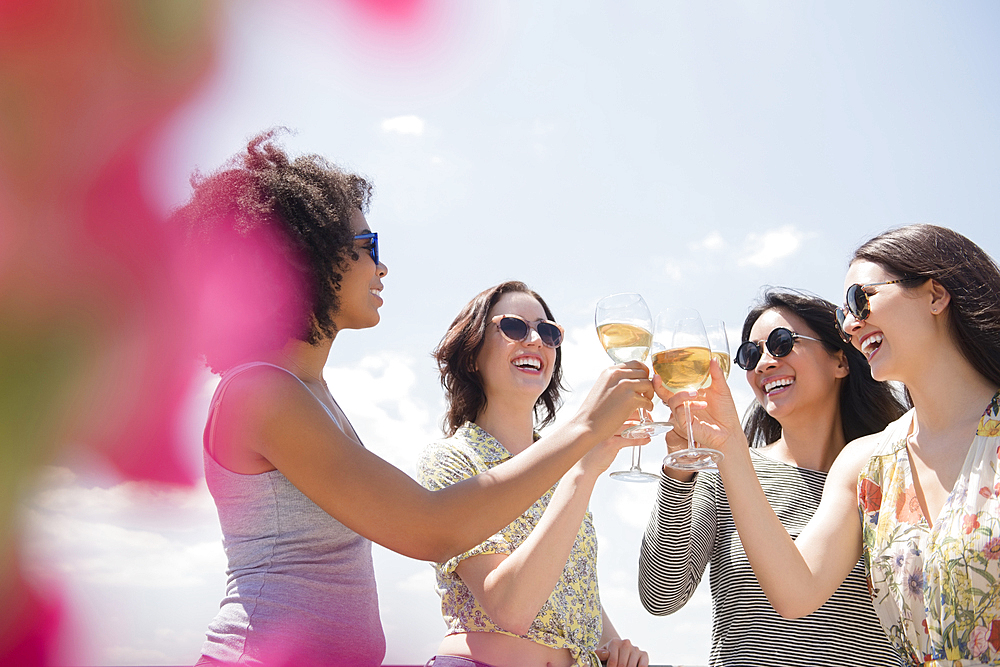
{"points": [[920, 500], [286, 260], [813, 393], [528, 596]]}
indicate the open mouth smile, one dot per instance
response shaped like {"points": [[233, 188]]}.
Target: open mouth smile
{"points": [[871, 344], [528, 363], [776, 384]]}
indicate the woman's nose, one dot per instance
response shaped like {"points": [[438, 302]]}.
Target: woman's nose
{"points": [[533, 338]]}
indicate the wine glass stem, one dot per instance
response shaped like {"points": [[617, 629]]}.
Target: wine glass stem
{"points": [[636, 453], [687, 407]]}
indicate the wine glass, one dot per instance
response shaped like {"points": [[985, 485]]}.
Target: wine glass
{"points": [[718, 342], [681, 356], [624, 327]]}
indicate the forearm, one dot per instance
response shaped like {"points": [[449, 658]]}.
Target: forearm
{"points": [[515, 591], [608, 631], [674, 549], [779, 566], [507, 490]]}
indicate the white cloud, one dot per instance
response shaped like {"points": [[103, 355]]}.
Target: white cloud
{"points": [[379, 394], [413, 125], [771, 246], [713, 241]]}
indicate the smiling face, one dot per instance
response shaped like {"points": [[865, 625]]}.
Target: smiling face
{"points": [[898, 327], [807, 377], [360, 285], [515, 370]]}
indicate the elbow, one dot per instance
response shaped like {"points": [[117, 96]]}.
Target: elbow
{"points": [[659, 606], [790, 609], [512, 620]]}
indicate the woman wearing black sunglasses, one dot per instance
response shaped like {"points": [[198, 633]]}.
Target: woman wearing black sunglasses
{"points": [[919, 501], [283, 260], [813, 394], [528, 596]]}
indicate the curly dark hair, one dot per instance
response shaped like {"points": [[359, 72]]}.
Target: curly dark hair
{"points": [[866, 406], [265, 217], [456, 358], [922, 252]]}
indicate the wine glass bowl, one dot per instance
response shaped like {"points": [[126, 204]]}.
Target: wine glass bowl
{"points": [[681, 357], [718, 342], [624, 327]]}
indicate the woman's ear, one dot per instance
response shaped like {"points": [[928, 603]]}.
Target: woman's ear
{"points": [[843, 368], [940, 297]]}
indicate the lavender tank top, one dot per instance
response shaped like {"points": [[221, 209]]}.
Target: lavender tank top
{"points": [[301, 587]]}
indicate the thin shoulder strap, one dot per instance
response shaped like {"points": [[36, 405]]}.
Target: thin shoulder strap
{"points": [[220, 392]]}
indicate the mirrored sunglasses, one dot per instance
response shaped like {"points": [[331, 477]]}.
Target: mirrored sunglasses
{"points": [[857, 303], [779, 344], [372, 247], [515, 329]]}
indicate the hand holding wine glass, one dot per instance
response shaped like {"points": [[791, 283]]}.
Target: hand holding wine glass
{"points": [[624, 326], [681, 357]]}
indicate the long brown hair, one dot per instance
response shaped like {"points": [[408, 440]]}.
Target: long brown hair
{"points": [[961, 267], [866, 406], [456, 358]]}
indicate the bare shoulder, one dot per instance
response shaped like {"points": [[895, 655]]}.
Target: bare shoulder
{"points": [[853, 457], [258, 402]]}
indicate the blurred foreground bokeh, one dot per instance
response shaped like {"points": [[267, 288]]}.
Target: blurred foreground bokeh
{"points": [[93, 350]]}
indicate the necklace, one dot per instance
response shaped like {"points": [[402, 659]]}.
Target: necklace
{"points": [[304, 371]]}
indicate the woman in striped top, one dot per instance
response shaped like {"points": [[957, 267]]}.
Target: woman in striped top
{"points": [[813, 394]]}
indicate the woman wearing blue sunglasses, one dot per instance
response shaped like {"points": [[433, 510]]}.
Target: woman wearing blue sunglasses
{"points": [[285, 261], [919, 501], [813, 393], [528, 596]]}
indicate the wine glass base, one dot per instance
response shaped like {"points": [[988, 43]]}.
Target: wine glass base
{"points": [[646, 430], [698, 458], [634, 475]]}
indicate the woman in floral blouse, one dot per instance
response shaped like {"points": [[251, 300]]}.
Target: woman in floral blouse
{"points": [[918, 501], [527, 596]]}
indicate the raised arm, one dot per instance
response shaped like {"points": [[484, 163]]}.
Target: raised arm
{"points": [[278, 418], [797, 576], [677, 544], [512, 588]]}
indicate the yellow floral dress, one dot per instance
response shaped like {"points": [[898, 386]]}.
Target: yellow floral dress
{"points": [[936, 589], [571, 617]]}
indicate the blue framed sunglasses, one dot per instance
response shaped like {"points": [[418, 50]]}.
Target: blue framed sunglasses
{"points": [[373, 246]]}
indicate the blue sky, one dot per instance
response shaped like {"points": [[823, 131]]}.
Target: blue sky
{"points": [[689, 151]]}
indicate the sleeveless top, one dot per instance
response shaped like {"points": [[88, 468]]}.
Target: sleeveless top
{"points": [[301, 585], [936, 588]]}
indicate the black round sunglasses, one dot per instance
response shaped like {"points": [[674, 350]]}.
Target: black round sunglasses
{"points": [[779, 344]]}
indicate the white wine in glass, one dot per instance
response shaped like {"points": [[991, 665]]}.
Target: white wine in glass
{"points": [[718, 341], [624, 326], [681, 357]]}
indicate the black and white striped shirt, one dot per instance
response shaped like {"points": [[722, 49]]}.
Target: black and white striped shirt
{"points": [[691, 523]]}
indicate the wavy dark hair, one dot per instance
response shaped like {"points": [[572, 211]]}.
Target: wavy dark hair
{"points": [[264, 214], [866, 406], [961, 267], [456, 359]]}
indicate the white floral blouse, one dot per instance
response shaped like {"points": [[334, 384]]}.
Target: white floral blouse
{"points": [[571, 617], [936, 588]]}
